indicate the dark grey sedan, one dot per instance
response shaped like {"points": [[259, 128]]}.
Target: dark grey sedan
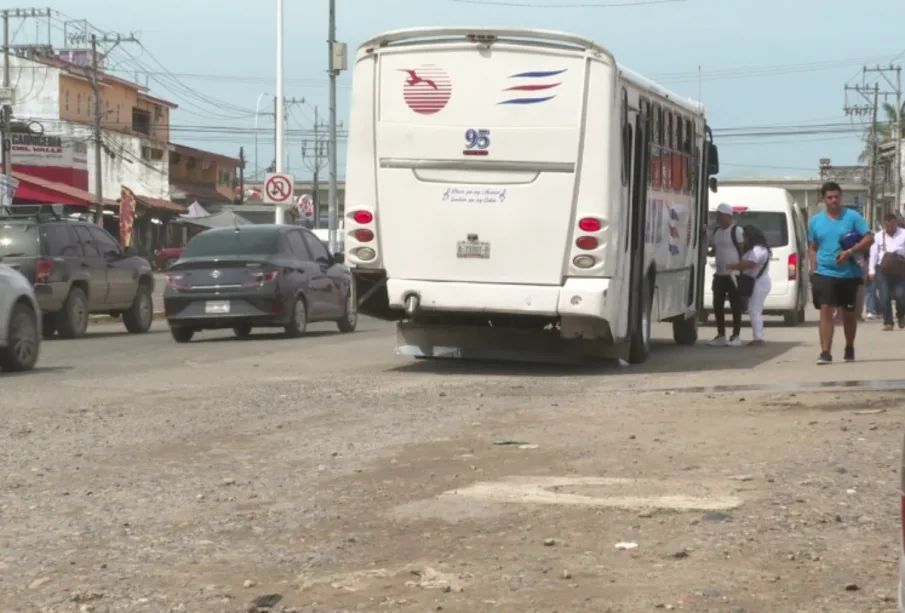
{"points": [[252, 276]]}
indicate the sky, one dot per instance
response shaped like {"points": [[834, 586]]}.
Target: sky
{"points": [[772, 73]]}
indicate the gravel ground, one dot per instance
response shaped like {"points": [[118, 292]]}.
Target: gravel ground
{"points": [[144, 476]]}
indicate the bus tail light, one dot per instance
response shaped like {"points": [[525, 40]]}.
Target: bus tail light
{"points": [[363, 217], [364, 235], [583, 261], [793, 267], [587, 243], [589, 224]]}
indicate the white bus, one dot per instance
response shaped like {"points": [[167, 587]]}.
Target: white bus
{"points": [[518, 194]]}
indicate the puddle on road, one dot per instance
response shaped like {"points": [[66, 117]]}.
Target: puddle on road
{"points": [[792, 386]]}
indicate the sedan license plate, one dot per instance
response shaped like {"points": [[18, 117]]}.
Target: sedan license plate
{"points": [[469, 249], [216, 307]]}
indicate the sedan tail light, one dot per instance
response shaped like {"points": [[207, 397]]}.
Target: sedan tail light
{"points": [[176, 282], [260, 278]]}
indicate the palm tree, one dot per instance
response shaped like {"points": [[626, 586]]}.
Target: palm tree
{"points": [[885, 130]]}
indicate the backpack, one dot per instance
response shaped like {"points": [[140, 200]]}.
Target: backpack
{"points": [[732, 233]]}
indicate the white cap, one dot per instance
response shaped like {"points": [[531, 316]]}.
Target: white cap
{"points": [[724, 208]]}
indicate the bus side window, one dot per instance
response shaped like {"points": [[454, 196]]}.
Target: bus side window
{"points": [[677, 156], [686, 158], [666, 155], [645, 113], [657, 131]]}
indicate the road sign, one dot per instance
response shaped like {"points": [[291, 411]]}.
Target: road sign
{"points": [[306, 206], [278, 188]]}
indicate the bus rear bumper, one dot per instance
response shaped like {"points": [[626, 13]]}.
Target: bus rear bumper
{"points": [[585, 298]]}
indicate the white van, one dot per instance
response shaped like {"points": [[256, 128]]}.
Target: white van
{"points": [[776, 213]]}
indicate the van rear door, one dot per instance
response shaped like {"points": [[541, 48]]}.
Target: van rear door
{"points": [[477, 149]]}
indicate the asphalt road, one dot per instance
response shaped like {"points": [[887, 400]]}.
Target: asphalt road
{"points": [[141, 475]]}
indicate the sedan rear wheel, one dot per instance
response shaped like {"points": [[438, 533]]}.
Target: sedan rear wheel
{"points": [[21, 353], [298, 321]]}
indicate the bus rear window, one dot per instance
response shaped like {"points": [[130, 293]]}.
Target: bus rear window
{"points": [[775, 226]]}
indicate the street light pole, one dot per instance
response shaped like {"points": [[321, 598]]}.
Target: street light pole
{"points": [[279, 212], [337, 63], [257, 111]]}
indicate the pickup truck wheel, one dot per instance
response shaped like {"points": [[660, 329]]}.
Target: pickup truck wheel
{"points": [[72, 321], [21, 353], [139, 316]]}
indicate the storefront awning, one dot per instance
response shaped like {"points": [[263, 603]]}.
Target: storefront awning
{"points": [[39, 190], [160, 204]]}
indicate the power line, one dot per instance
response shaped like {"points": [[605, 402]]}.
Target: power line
{"points": [[560, 5]]}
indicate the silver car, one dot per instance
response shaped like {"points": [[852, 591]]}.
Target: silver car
{"points": [[20, 322]]}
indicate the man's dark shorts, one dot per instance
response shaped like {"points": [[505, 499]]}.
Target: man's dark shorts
{"points": [[835, 291]]}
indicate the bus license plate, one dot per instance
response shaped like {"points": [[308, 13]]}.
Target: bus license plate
{"points": [[468, 249], [216, 307]]}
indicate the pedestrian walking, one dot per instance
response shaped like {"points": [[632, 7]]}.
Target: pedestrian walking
{"points": [[835, 236], [754, 283], [887, 269], [727, 241]]}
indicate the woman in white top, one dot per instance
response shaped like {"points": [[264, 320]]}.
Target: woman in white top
{"points": [[756, 265]]}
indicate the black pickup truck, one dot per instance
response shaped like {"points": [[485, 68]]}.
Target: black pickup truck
{"points": [[78, 269]]}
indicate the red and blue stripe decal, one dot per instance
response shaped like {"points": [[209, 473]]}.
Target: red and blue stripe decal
{"points": [[535, 87]]}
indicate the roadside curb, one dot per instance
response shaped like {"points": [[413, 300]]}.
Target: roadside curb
{"points": [[102, 319]]}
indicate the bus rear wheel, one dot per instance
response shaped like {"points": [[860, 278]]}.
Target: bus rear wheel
{"points": [[639, 343]]}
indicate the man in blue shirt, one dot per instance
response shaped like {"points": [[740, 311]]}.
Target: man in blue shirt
{"points": [[837, 274]]}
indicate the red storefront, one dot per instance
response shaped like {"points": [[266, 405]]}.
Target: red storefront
{"points": [[51, 169]]}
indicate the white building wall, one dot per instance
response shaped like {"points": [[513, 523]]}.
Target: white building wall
{"points": [[38, 98]]}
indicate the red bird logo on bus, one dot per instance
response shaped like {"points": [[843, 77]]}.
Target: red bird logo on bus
{"points": [[427, 89], [414, 79]]}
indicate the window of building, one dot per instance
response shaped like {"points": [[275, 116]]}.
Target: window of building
{"points": [[152, 154], [118, 116], [66, 97], [78, 104], [91, 106], [141, 121]]}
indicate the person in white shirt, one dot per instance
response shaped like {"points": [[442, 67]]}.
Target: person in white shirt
{"points": [[727, 249], [755, 265], [891, 286]]}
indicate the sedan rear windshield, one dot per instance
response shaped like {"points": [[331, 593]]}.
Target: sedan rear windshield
{"points": [[220, 243], [18, 240], [774, 225]]}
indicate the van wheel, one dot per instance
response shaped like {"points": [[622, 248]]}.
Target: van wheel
{"points": [[792, 318], [639, 344], [685, 330], [801, 315]]}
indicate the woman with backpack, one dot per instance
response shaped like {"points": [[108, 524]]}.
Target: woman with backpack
{"points": [[754, 283]]}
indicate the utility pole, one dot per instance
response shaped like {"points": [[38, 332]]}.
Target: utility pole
{"points": [[873, 159], [313, 157], [894, 85], [7, 100], [337, 63], [241, 175], [99, 113], [279, 213]]}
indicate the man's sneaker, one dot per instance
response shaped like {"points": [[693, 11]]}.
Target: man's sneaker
{"points": [[719, 341], [871, 316], [849, 354], [734, 341], [901, 322], [825, 358], [888, 327]]}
